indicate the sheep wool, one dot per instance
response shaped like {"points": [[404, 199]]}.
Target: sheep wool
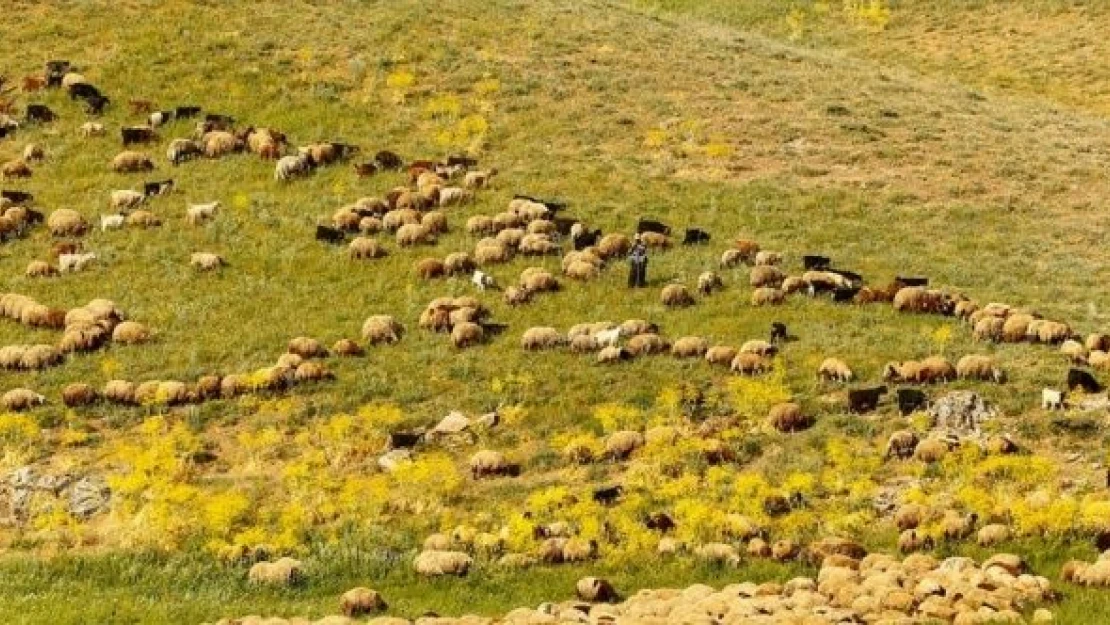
{"points": [[620, 445], [360, 602], [675, 295], [283, 572], [437, 563], [21, 399], [66, 222], [467, 334], [690, 347], [541, 338], [130, 333], [381, 329]]}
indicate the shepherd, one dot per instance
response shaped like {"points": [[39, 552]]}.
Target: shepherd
{"points": [[637, 260]]}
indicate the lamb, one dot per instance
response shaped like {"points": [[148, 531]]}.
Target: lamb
{"points": [[466, 334], [595, 590], [143, 219], [126, 162], [40, 269], [21, 399], [1052, 399], [788, 417], [620, 445], [975, 367], [834, 370], [72, 263], [197, 214], [111, 222], [125, 199], [206, 261], [436, 563], [482, 280], [541, 338], [478, 179], [91, 129], [676, 295], [382, 329], [901, 444]]}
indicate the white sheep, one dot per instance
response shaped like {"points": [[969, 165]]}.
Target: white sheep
{"points": [[197, 214], [289, 167], [482, 280], [608, 338], [92, 129], [68, 263], [125, 198], [1052, 399], [111, 222]]}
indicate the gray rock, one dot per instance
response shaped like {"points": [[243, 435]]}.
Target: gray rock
{"points": [[88, 496], [962, 411]]}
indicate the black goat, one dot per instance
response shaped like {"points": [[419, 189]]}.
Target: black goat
{"points": [[95, 105], [609, 495], [388, 160], [186, 112], [160, 187], [1083, 379], [137, 134], [83, 90], [863, 400], [911, 400], [903, 281], [695, 236], [586, 239], [813, 262], [17, 197], [327, 234], [650, 225], [660, 522], [40, 113], [778, 332]]}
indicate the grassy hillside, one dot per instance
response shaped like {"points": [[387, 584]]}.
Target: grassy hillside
{"points": [[986, 178]]}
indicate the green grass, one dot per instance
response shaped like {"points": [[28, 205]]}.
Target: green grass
{"points": [[835, 143]]}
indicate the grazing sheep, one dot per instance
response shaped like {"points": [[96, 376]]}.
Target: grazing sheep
{"points": [[675, 295], [283, 572], [931, 450], [478, 179], [767, 296], [517, 296], [458, 263], [609, 355], [181, 150], [988, 329], [436, 563], [414, 234], [655, 240], [955, 527], [538, 280], [220, 143], [430, 268], [91, 129], [1098, 342], [290, 167], [17, 168], [765, 257], [620, 445], [466, 334], [708, 282], [306, 347], [112, 222], [360, 602], [119, 392], [1053, 332], [128, 161], [993, 534], [435, 222], [731, 258], [976, 367], [901, 444], [482, 280], [1052, 399], [206, 261], [766, 276], [689, 347], [72, 263], [347, 347], [453, 196], [79, 394], [720, 355], [581, 270], [364, 248], [613, 246], [40, 269], [33, 153], [910, 541], [1016, 327], [125, 199], [197, 214], [130, 333], [541, 338], [788, 418], [66, 222], [381, 329], [834, 370], [20, 399], [595, 590], [718, 553], [750, 364], [646, 344], [761, 348], [143, 219]]}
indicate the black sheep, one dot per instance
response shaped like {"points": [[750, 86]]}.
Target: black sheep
{"points": [[609, 495], [814, 262], [388, 160], [186, 112], [95, 105], [465, 161], [83, 90], [17, 197], [903, 281], [911, 400], [219, 122], [695, 236], [845, 295], [586, 239], [778, 332], [1084, 380], [160, 187], [650, 225], [863, 400], [40, 113], [660, 522], [330, 235], [137, 134]]}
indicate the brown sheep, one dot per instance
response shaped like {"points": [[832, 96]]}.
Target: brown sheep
{"points": [[676, 295], [747, 248], [20, 399], [789, 418], [610, 354], [480, 224], [708, 282], [306, 348], [621, 445], [910, 516], [435, 222], [492, 252], [655, 240], [901, 444], [750, 364], [931, 450], [17, 168], [1099, 342], [581, 270], [538, 280], [66, 222], [690, 347], [646, 344], [720, 355], [361, 601], [79, 394], [976, 367], [541, 338], [1015, 328], [730, 258], [466, 334], [381, 329], [430, 268], [220, 143], [129, 161], [767, 296], [119, 392], [347, 347], [362, 248], [414, 234], [613, 246], [457, 263], [988, 329], [936, 369], [766, 276], [130, 333], [516, 296], [834, 370], [41, 269]]}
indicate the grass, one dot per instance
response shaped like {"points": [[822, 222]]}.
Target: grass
{"points": [[878, 150]]}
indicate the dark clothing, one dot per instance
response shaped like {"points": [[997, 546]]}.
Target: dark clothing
{"points": [[637, 271]]}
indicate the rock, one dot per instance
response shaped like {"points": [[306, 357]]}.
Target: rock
{"points": [[963, 411], [454, 423], [88, 496], [392, 459]]}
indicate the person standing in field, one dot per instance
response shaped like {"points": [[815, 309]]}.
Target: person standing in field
{"points": [[637, 260]]}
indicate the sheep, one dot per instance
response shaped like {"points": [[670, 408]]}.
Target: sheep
{"points": [[510, 237], [718, 553], [582, 271], [788, 417], [283, 572], [72, 263], [607, 338], [364, 248], [66, 222], [206, 261], [33, 153], [360, 602], [130, 333], [976, 367], [478, 179], [654, 240], [901, 444], [197, 214], [306, 348], [613, 246], [20, 399], [646, 344], [910, 541], [381, 329], [1098, 342], [988, 329], [492, 251], [125, 199], [40, 269], [538, 280], [294, 166], [143, 219], [436, 563], [414, 234], [435, 222], [480, 224], [931, 450], [620, 445], [720, 355], [128, 161], [688, 347], [79, 394], [767, 296], [541, 338], [1053, 332], [765, 257], [761, 348], [834, 370], [708, 282], [993, 534], [17, 168], [750, 364], [220, 143], [91, 129], [1077, 378], [466, 334], [766, 276], [111, 222], [458, 263], [955, 527], [676, 295], [311, 371], [482, 280], [1015, 328], [609, 355], [595, 590], [1052, 399]]}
